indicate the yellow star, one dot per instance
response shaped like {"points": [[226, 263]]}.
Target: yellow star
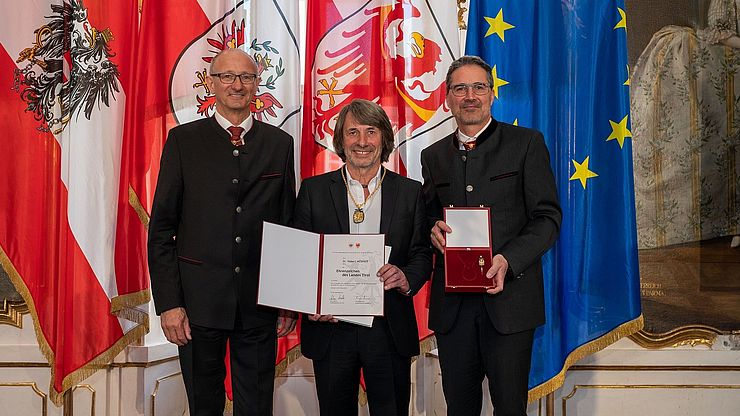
{"points": [[619, 131], [497, 82], [582, 173], [497, 25], [623, 21], [516, 121], [627, 83]]}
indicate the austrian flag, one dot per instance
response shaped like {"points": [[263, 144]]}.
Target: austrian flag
{"points": [[64, 81]]}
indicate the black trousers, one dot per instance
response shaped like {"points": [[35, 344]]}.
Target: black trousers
{"points": [[473, 349], [252, 369], [387, 374]]}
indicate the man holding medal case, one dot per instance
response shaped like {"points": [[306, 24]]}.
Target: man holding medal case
{"points": [[503, 168], [362, 197]]}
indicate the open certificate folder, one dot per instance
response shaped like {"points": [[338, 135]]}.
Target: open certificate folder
{"points": [[327, 274]]}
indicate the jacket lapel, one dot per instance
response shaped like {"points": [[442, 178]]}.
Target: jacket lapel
{"points": [[339, 197], [388, 191]]}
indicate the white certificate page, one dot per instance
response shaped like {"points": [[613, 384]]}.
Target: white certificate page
{"points": [[289, 269], [470, 228], [349, 282]]}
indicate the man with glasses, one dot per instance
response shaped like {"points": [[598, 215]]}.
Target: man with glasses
{"points": [[220, 177], [506, 168]]}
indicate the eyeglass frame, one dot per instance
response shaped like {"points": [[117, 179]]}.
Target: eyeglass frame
{"points": [[484, 88], [251, 78]]}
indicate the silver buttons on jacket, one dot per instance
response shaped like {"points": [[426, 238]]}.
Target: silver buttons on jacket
{"points": [[238, 210], [469, 188], [238, 240], [464, 158], [235, 181], [235, 152], [237, 269]]}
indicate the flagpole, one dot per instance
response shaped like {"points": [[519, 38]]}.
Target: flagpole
{"points": [[68, 403]]}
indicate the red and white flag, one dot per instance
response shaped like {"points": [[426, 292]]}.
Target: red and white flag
{"points": [[178, 40], [393, 52], [65, 79]]}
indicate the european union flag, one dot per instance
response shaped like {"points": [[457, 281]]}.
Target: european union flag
{"points": [[561, 68]]}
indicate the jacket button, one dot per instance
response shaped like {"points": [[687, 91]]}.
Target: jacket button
{"points": [[235, 181], [237, 269], [469, 188], [238, 210], [238, 240], [464, 158], [235, 152]]}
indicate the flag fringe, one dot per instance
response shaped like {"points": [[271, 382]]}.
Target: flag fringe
{"points": [[554, 383], [100, 362], [291, 356], [133, 200], [124, 306], [97, 363], [427, 344]]}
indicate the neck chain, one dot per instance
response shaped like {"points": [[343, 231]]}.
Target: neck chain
{"points": [[359, 215]]}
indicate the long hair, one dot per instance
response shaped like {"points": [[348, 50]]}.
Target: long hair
{"points": [[368, 113]]}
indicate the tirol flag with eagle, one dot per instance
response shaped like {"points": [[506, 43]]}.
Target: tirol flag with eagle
{"points": [[65, 82], [395, 53], [178, 40]]}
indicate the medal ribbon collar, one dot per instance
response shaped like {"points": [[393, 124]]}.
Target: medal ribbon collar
{"points": [[359, 215]]}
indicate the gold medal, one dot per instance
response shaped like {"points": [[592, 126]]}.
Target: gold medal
{"points": [[481, 263], [358, 216]]}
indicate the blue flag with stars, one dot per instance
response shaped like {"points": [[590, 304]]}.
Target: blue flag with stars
{"points": [[561, 68]]}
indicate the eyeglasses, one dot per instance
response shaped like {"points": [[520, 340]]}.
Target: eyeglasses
{"points": [[229, 78], [479, 88]]}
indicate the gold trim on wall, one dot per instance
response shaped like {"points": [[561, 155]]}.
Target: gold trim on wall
{"points": [[36, 364], [92, 391], [20, 364], [643, 386], [11, 312], [144, 364], [692, 335], [35, 388], [655, 368], [156, 390]]}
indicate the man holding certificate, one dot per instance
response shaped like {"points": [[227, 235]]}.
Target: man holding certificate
{"points": [[364, 198], [503, 173]]}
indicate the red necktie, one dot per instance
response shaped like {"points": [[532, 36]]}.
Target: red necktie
{"points": [[469, 145], [236, 135]]}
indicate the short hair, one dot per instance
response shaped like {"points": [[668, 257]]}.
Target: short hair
{"points": [[468, 60], [222, 51], [368, 113]]}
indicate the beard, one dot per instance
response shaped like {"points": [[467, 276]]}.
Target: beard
{"points": [[471, 112]]}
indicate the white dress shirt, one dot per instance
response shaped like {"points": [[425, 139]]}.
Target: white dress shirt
{"points": [[464, 138]]}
